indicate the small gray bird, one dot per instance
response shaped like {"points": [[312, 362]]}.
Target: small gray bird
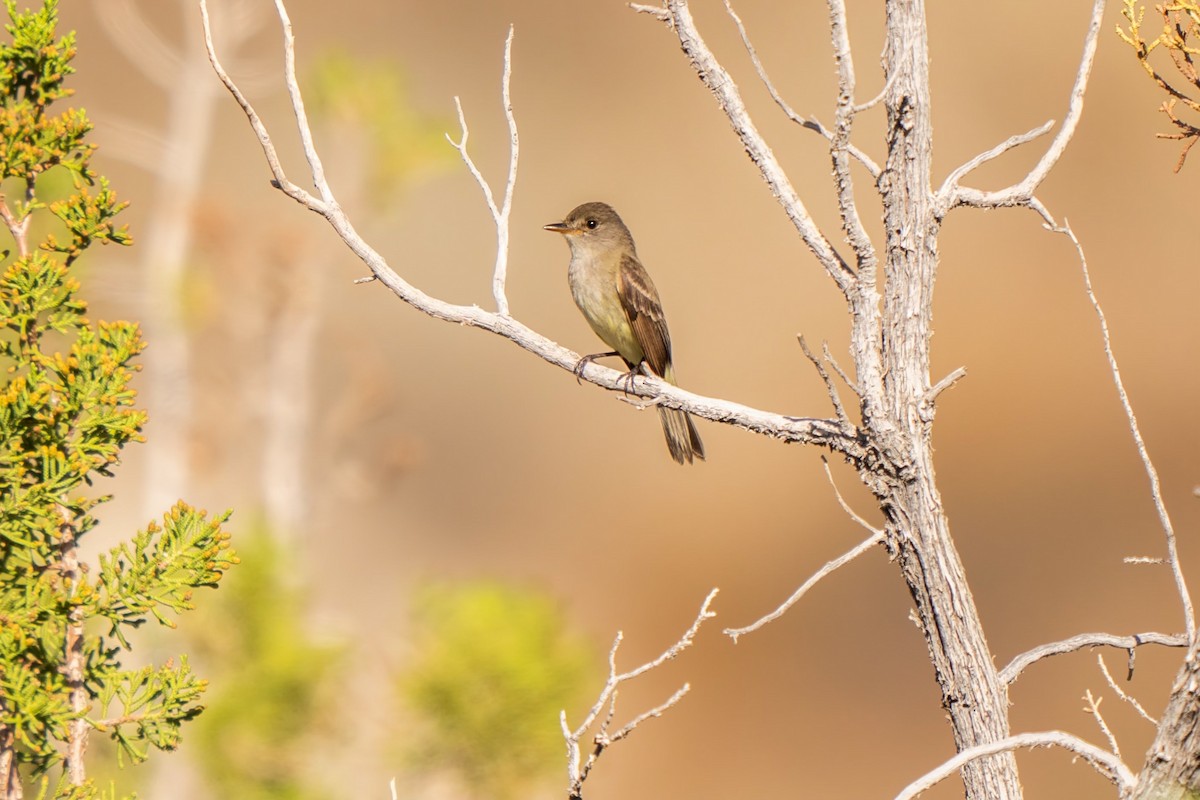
{"points": [[619, 301]]}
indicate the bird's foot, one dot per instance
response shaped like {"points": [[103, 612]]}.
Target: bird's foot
{"points": [[583, 362]]}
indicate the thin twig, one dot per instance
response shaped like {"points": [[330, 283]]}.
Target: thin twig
{"points": [[723, 87], [1018, 665], [875, 538], [260, 129], [1039, 208], [850, 512], [1010, 143], [315, 167], [514, 142], [1093, 708], [852, 224], [953, 194], [944, 384], [809, 123], [577, 773], [1108, 765], [829, 385], [1112, 684], [657, 711], [500, 214], [877, 99], [655, 11], [1155, 486], [833, 362], [761, 70], [868, 163]]}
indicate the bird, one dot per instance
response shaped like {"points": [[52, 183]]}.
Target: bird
{"points": [[620, 302]]}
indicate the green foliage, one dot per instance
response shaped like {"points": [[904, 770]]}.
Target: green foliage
{"points": [[370, 96], [66, 412], [256, 737], [496, 666]]}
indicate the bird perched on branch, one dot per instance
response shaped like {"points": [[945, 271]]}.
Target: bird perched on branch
{"points": [[619, 301]]}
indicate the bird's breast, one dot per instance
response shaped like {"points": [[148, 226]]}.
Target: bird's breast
{"points": [[594, 289]]}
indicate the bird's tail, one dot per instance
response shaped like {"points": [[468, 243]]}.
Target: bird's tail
{"points": [[682, 439]]}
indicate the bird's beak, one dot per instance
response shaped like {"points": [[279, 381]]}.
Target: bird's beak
{"points": [[558, 227]]}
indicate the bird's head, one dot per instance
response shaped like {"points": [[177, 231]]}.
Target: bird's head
{"points": [[593, 227]]}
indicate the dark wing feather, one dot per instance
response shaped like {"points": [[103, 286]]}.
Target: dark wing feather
{"points": [[640, 299]]}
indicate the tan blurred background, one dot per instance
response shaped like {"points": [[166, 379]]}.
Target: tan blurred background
{"points": [[437, 451]]}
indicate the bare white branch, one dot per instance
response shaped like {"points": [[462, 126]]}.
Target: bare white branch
{"points": [[501, 273], [953, 194], [850, 512], [657, 711], [1093, 708], [945, 383], [1108, 765], [655, 11], [260, 129], [834, 397], [500, 214], [856, 232], [721, 84], [875, 538], [1155, 487], [928, 408], [877, 99], [1112, 684], [823, 432], [1010, 143], [809, 123], [1040, 209], [761, 70], [577, 769], [302, 126], [833, 362], [1015, 667], [859, 289]]}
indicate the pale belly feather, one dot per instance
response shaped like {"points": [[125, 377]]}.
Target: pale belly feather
{"points": [[596, 296]]}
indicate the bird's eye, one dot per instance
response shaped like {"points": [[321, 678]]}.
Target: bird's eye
{"points": [[591, 223]]}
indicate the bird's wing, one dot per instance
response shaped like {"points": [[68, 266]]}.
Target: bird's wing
{"points": [[640, 299]]}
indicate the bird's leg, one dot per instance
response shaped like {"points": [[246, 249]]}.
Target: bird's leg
{"points": [[627, 380], [583, 362], [634, 370]]}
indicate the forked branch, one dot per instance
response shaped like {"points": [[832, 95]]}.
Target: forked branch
{"points": [[953, 193], [578, 769], [823, 432], [1104, 762], [810, 123], [501, 213], [721, 84], [1084, 641]]}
